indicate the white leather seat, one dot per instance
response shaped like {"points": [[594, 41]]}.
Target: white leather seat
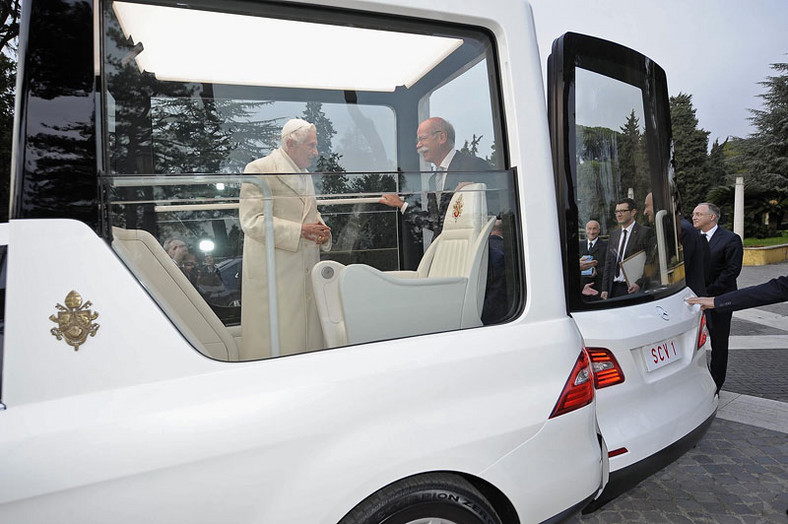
{"points": [[358, 303], [167, 284]]}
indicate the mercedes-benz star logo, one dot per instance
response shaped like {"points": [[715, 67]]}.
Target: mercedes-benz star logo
{"points": [[662, 313]]}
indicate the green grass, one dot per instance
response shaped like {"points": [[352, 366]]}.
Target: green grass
{"points": [[765, 242]]}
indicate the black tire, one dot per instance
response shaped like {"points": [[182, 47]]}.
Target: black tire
{"points": [[435, 498]]}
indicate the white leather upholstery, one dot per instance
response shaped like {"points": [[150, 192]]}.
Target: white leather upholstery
{"points": [[329, 304], [170, 288], [358, 303]]}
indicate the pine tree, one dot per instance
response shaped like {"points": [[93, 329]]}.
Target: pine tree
{"points": [[767, 149], [717, 164], [472, 147], [689, 155], [632, 160]]}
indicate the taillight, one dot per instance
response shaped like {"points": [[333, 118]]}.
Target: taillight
{"points": [[703, 333], [607, 372], [579, 389]]}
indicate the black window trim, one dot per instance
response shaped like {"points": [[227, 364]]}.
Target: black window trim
{"points": [[569, 52]]}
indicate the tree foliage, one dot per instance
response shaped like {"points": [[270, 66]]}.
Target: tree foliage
{"points": [[690, 153], [766, 150], [327, 160], [632, 159], [761, 158], [9, 15]]}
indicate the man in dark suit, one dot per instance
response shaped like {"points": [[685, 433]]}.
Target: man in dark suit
{"points": [[727, 253], [773, 291], [596, 248], [697, 257], [629, 239], [435, 142], [495, 301]]}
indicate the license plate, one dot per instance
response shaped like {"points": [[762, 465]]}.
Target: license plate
{"points": [[662, 354]]}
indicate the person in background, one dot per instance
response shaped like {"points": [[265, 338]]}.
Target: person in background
{"points": [[299, 235], [495, 301], [209, 274], [629, 239], [177, 249], [593, 256], [189, 268], [727, 253], [697, 257]]}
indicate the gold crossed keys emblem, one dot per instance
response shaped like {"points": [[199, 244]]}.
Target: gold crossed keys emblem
{"points": [[74, 321]]}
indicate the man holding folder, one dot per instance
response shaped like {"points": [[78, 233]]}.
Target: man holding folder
{"points": [[629, 239]]}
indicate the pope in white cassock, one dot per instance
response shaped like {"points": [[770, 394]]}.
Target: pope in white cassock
{"points": [[299, 234]]}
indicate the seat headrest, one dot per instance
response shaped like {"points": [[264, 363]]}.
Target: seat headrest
{"points": [[467, 208]]}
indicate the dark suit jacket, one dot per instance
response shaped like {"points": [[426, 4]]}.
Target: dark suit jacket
{"points": [[697, 258], [773, 291], [640, 240], [496, 305], [463, 168], [599, 252], [727, 253]]}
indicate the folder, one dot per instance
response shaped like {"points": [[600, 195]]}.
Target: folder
{"points": [[633, 267]]}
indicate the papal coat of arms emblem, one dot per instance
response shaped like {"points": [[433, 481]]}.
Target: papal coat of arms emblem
{"points": [[74, 321], [457, 209]]}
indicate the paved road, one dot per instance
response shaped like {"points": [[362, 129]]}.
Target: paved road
{"points": [[738, 473]]}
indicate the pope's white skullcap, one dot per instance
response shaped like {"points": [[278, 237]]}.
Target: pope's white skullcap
{"points": [[296, 124]]}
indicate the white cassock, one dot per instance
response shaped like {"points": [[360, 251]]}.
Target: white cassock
{"points": [[294, 204]]}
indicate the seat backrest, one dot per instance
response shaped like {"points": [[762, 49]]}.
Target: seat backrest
{"points": [[170, 288], [451, 253]]}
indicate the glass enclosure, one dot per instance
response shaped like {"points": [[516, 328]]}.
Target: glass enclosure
{"points": [[615, 174], [194, 98]]}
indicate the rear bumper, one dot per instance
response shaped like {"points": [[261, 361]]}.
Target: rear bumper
{"points": [[626, 478]]}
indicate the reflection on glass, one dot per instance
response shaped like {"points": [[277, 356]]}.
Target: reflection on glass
{"points": [[613, 164]]}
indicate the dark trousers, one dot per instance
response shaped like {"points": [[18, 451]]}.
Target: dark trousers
{"points": [[719, 329]]}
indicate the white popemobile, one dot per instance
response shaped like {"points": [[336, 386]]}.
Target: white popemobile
{"points": [[465, 375]]}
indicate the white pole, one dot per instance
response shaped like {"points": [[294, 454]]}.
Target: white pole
{"points": [[738, 207]]}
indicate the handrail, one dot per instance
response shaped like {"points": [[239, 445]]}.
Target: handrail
{"points": [[171, 208], [662, 247]]}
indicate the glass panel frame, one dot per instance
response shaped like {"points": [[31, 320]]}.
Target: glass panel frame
{"points": [[570, 54], [149, 151]]}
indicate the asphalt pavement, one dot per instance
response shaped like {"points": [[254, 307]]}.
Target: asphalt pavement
{"points": [[738, 472]]}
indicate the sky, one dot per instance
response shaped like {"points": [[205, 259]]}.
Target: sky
{"points": [[715, 50]]}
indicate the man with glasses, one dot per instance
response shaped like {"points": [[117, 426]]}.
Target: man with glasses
{"points": [[727, 252], [697, 258], [629, 239], [435, 143]]}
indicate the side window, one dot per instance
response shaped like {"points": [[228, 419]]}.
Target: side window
{"points": [[613, 158], [267, 206]]}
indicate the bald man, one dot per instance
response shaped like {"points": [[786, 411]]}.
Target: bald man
{"points": [[435, 143], [596, 248]]}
